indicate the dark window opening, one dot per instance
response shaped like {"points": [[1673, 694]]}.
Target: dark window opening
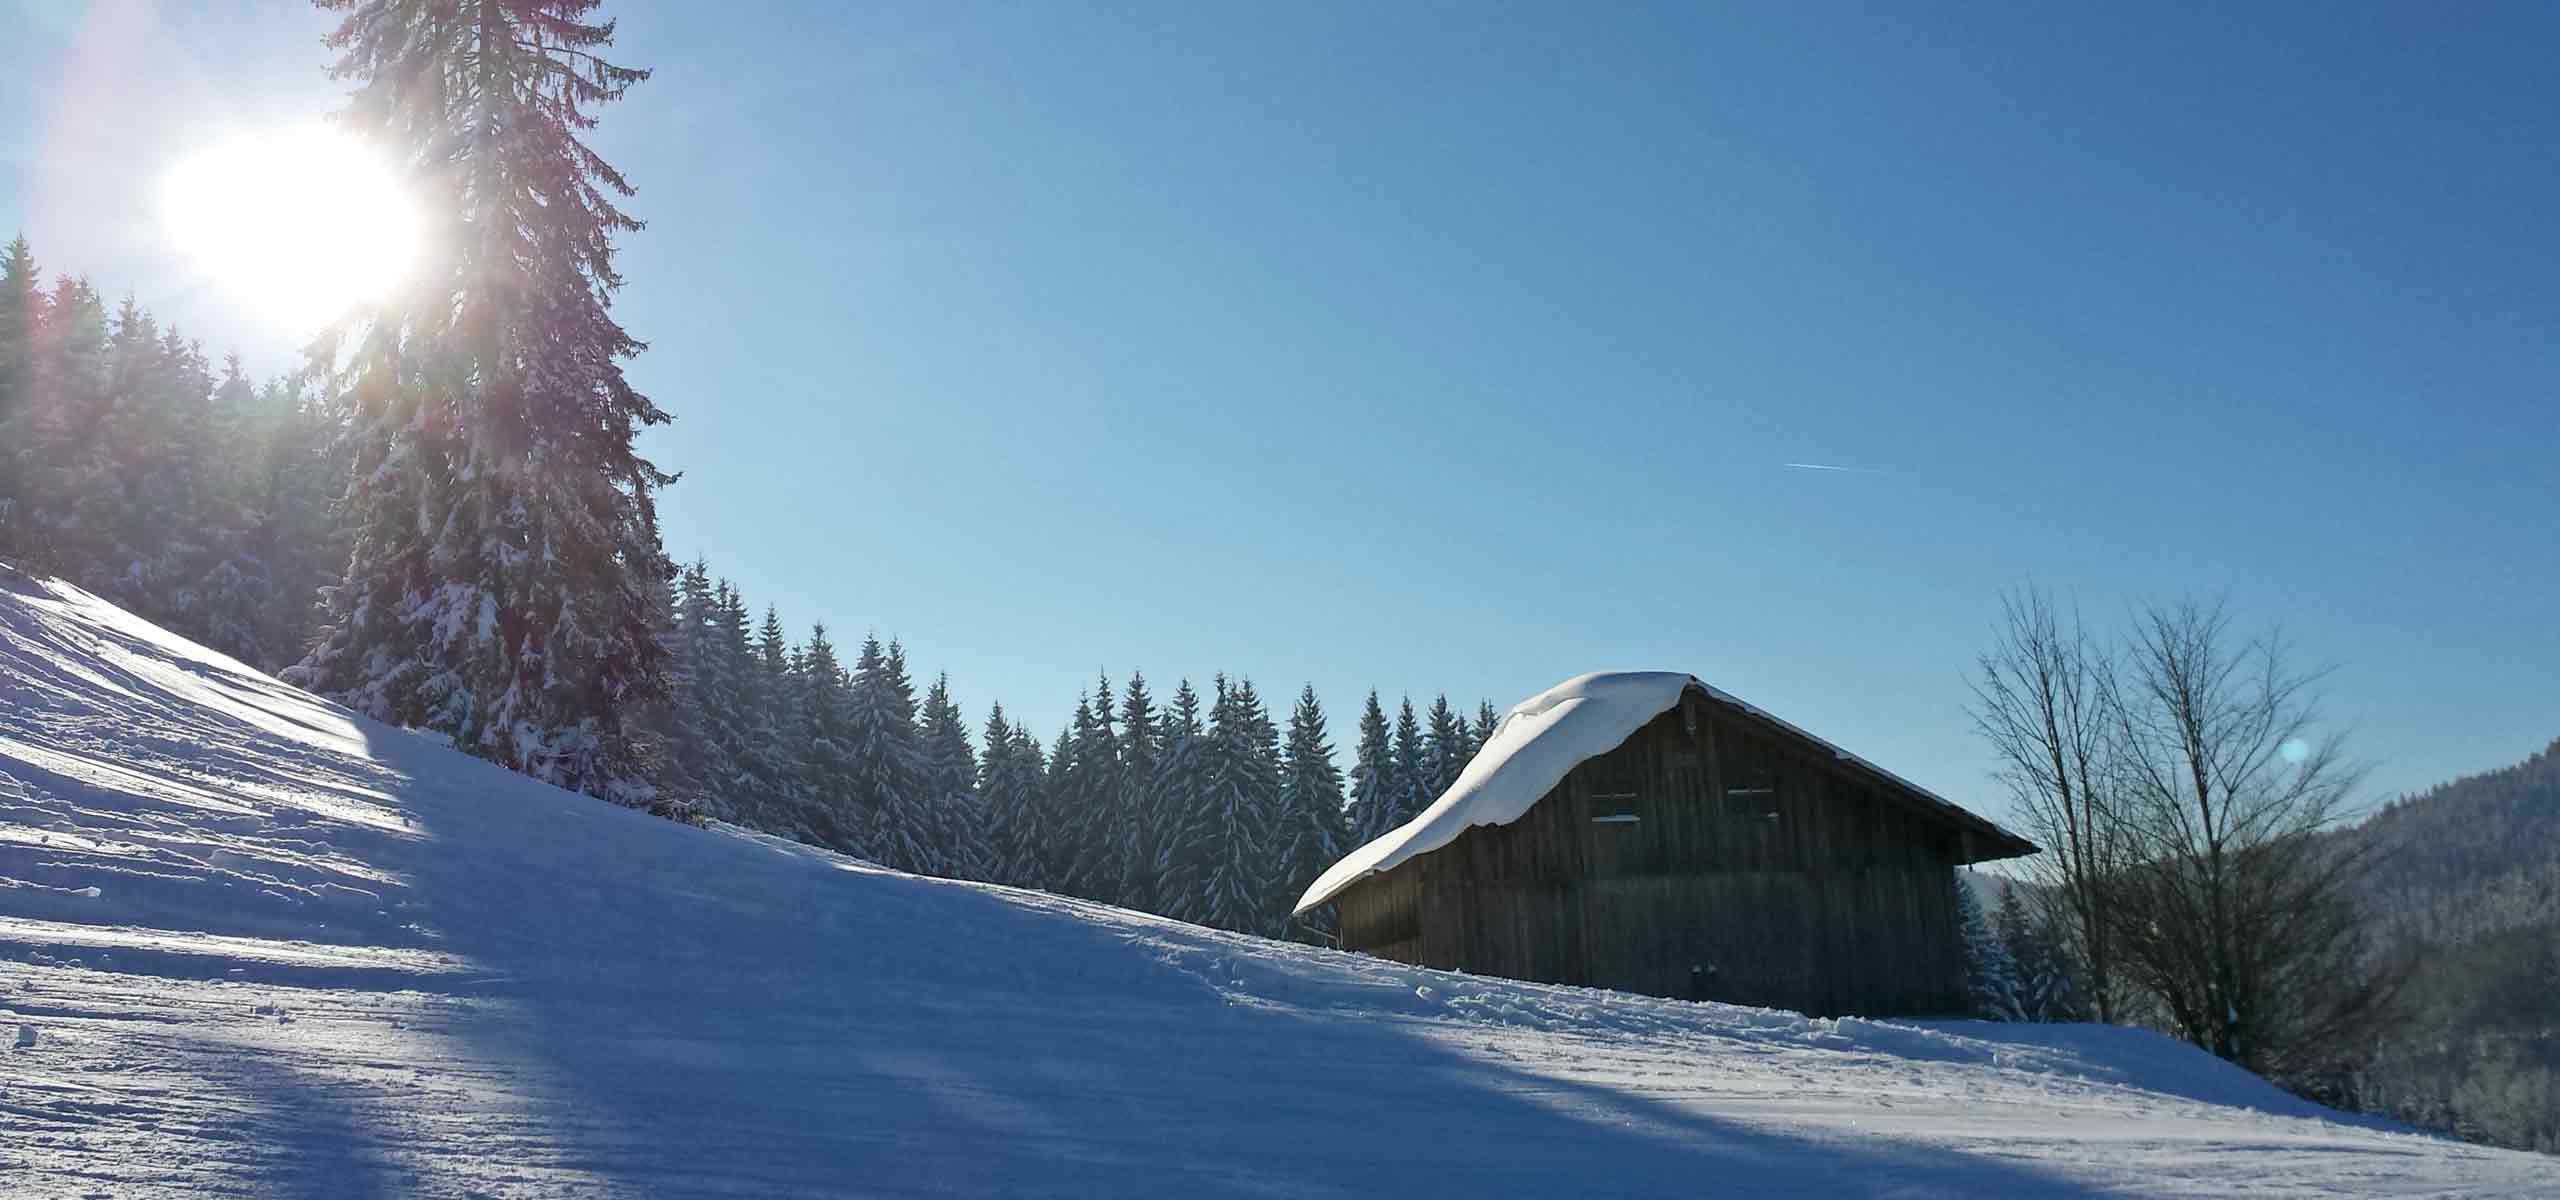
{"points": [[1753, 794]]}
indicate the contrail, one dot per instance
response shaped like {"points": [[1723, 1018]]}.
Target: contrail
{"points": [[1829, 467]]}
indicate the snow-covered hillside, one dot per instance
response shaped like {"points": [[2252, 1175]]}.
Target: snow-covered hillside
{"points": [[265, 948]]}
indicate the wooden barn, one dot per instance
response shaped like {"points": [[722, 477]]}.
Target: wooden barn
{"points": [[1645, 832]]}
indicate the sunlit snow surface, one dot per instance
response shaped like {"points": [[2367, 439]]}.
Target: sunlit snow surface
{"points": [[266, 948]]}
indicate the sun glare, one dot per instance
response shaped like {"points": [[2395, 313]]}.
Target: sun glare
{"points": [[302, 223]]}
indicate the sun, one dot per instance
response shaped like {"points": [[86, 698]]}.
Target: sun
{"points": [[302, 223]]}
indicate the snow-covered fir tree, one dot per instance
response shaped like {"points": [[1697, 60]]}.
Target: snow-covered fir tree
{"points": [[1173, 802], [1101, 821], [1009, 785], [1372, 802], [733, 680], [268, 518], [1310, 831], [825, 723], [954, 825], [2037, 964], [62, 400], [1230, 831], [1140, 746], [1990, 978], [1410, 784], [1445, 749], [691, 706], [22, 320], [770, 728], [1059, 812], [506, 557], [885, 771]]}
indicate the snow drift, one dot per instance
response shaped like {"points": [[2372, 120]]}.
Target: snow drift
{"points": [[263, 947]]}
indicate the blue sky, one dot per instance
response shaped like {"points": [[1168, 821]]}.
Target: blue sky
{"points": [[1446, 348]]}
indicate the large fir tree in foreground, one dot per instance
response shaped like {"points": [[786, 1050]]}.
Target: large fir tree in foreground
{"points": [[506, 560]]}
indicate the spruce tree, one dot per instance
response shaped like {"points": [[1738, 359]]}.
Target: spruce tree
{"points": [[826, 741], [111, 517], [729, 693], [1009, 788], [1088, 798], [1311, 831], [1372, 776], [1410, 785], [506, 555], [235, 588], [22, 316], [1059, 817], [1990, 977], [2036, 962], [65, 404], [294, 473], [887, 766], [771, 725], [1444, 748], [1482, 731], [21, 309], [174, 534], [953, 826], [1140, 745], [690, 718], [1173, 807], [1231, 831]]}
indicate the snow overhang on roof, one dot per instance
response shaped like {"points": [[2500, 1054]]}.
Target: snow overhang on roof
{"points": [[1542, 740]]}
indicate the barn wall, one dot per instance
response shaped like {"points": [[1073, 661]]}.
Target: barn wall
{"points": [[1383, 916], [1752, 871]]}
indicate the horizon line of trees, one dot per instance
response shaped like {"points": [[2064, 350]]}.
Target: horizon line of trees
{"points": [[1200, 808]]}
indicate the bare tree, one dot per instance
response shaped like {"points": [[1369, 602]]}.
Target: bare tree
{"points": [[2042, 702], [2232, 911]]}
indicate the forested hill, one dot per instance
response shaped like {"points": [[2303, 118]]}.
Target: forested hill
{"points": [[2477, 856], [2467, 883]]}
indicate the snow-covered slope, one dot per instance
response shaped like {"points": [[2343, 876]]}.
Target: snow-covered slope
{"points": [[265, 948]]}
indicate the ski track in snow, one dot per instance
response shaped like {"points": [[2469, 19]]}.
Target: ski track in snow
{"points": [[267, 948]]}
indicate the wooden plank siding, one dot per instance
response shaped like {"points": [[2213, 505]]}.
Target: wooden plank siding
{"points": [[1757, 869]]}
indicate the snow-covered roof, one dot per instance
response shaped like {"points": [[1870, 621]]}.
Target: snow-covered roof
{"points": [[1539, 742]]}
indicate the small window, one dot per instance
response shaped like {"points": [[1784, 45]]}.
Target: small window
{"points": [[1614, 808], [1754, 793]]}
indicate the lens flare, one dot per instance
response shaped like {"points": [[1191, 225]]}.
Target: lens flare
{"points": [[301, 223]]}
